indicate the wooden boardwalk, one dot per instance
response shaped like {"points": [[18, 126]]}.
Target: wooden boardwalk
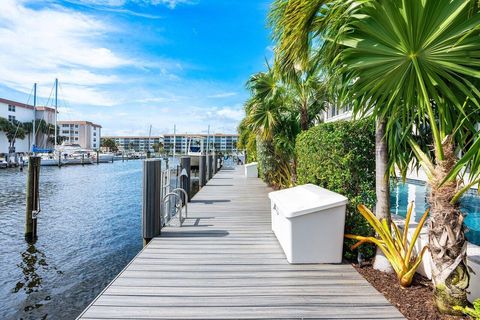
{"points": [[225, 263]]}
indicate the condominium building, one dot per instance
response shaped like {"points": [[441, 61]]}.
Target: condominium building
{"points": [[218, 142], [84, 133], [137, 143], [14, 111]]}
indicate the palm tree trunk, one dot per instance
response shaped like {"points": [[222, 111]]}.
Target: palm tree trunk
{"points": [[447, 243], [382, 188], [304, 117]]}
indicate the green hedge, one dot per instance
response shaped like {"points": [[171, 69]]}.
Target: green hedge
{"points": [[340, 156]]}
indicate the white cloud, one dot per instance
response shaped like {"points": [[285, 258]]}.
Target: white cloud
{"points": [[39, 45], [235, 113], [119, 3], [223, 95]]}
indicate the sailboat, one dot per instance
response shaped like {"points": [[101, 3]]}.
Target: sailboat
{"points": [[49, 157]]}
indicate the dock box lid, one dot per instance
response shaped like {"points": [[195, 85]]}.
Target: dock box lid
{"points": [[251, 164], [305, 199]]}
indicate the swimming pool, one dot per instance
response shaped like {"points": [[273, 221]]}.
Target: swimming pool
{"points": [[403, 193]]}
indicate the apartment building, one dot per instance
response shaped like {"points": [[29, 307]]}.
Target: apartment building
{"points": [[137, 143], [218, 142], [84, 133], [17, 111]]}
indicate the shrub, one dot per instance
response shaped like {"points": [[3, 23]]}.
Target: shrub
{"points": [[340, 156], [273, 168]]}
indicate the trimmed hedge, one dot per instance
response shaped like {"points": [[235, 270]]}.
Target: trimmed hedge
{"points": [[340, 156]]}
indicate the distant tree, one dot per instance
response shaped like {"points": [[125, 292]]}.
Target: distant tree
{"points": [[13, 130], [110, 144], [158, 147]]}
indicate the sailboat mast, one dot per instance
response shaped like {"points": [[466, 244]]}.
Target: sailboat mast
{"points": [[208, 139], [174, 139], [149, 136], [34, 138], [56, 108]]}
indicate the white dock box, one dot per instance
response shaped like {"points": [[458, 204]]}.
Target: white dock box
{"points": [[309, 222], [251, 170]]}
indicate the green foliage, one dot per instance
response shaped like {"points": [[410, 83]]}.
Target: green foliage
{"points": [[340, 157], [157, 147], [110, 143], [13, 130], [471, 312]]}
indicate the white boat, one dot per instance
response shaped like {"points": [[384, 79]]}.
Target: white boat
{"points": [[73, 154], [195, 150], [105, 157], [3, 164]]}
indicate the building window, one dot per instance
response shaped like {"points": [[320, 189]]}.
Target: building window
{"points": [[76, 126], [65, 125], [94, 134], [11, 118], [94, 140], [76, 132], [76, 138], [11, 108]]}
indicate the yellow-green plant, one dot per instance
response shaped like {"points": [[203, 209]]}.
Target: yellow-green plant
{"points": [[394, 244], [471, 312]]}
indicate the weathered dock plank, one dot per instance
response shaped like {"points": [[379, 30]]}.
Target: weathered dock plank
{"points": [[225, 263]]}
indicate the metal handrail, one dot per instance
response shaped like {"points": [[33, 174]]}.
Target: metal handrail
{"points": [[185, 203], [176, 195]]}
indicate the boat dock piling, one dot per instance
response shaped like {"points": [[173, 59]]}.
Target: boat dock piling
{"points": [[152, 193], [202, 170], [32, 201], [185, 177]]}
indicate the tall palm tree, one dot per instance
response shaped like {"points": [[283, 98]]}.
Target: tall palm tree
{"points": [[306, 32], [424, 58], [413, 64]]}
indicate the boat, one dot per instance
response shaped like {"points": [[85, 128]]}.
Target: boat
{"points": [[49, 160], [74, 154], [195, 150], [104, 157], [3, 164]]}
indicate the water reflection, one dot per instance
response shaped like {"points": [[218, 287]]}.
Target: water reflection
{"points": [[89, 229]]}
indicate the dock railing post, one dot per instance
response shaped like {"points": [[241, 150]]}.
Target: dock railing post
{"points": [[98, 156], [202, 170], [151, 204], [185, 180], [32, 201]]}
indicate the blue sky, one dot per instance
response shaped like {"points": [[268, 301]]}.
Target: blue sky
{"points": [[128, 64]]}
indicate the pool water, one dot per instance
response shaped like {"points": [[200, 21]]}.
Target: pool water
{"points": [[404, 193]]}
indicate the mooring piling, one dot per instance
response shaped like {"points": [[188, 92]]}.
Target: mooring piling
{"points": [[185, 177], [32, 201], [209, 166], [215, 163], [202, 170], [151, 212]]}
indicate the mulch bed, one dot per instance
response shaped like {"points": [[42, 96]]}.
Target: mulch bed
{"points": [[415, 302]]}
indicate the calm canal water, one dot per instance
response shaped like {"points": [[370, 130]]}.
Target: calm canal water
{"points": [[89, 228]]}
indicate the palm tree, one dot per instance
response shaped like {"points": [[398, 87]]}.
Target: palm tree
{"points": [[426, 77], [305, 31], [13, 131], [413, 64]]}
